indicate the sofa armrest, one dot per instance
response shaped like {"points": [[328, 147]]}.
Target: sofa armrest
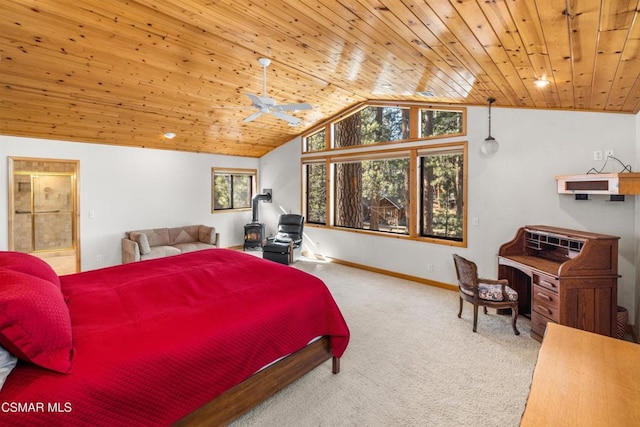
{"points": [[209, 235], [130, 251]]}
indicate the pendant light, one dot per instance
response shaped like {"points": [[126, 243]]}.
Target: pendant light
{"points": [[490, 145]]}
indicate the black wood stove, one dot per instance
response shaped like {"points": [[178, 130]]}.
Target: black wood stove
{"points": [[254, 237]]}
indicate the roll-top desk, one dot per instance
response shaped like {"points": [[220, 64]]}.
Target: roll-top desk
{"points": [[564, 276]]}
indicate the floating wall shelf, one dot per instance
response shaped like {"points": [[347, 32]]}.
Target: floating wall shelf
{"points": [[601, 183]]}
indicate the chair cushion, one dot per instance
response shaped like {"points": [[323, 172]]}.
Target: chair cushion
{"points": [[286, 238], [492, 292], [276, 247]]}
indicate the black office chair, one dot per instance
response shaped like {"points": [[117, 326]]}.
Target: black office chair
{"points": [[286, 246]]}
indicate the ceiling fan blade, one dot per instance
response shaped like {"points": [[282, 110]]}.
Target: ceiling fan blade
{"points": [[252, 117], [293, 107], [293, 121], [257, 101]]}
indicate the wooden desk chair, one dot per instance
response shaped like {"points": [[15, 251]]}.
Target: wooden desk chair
{"points": [[484, 292]]}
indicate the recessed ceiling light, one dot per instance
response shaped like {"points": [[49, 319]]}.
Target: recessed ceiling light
{"points": [[541, 82], [169, 135], [426, 93]]}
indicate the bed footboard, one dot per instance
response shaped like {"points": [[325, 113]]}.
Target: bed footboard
{"points": [[262, 385]]}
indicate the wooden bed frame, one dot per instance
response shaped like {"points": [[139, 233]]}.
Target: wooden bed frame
{"points": [[262, 385]]}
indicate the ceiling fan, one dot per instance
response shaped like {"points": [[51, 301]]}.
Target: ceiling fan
{"points": [[266, 105]]}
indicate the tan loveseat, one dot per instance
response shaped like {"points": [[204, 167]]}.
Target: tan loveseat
{"points": [[161, 242]]}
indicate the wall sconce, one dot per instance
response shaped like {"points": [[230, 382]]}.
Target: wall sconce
{"points": [[490, 145]]}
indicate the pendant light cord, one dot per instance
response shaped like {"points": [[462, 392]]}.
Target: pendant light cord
{"points": [[491, 101]]}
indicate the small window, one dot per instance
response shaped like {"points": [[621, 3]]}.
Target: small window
{"points": [[440, 122], [316, 142], [372, 125], [232, 189]]}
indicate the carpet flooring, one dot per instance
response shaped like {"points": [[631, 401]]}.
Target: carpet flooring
{"points": [[410, 361]]}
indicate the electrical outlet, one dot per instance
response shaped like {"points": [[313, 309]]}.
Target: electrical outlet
{"points": [[430, 267], [597, 155], [102, 257], [608, 153]]}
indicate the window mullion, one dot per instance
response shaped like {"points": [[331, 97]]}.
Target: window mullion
{"points": [[414, 192]]}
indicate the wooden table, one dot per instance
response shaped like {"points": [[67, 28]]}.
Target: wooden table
{"points": [[584, 379]]}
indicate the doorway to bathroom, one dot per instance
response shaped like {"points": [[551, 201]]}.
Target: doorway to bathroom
{"points": [[43, 211]]}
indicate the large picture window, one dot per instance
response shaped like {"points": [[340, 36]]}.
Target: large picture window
{"points": [[372, 195], [417, 193], [442, 194], [412, 189], [232, 189], [316, 194]]}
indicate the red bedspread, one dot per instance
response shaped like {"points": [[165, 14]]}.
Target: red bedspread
{"points": [[155, 340]]}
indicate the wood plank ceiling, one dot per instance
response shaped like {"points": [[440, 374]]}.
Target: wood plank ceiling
{"points": [[126, 71]]}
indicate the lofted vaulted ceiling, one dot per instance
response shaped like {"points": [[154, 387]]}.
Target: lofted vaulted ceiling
{"points": [[124, 72]]}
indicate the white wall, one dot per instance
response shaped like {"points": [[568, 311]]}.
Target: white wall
{"points": [[129, 189], [514, 187]]}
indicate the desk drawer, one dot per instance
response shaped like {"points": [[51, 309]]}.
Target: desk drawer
{"points": [[548, 282], [539, 323], [545, 302]]}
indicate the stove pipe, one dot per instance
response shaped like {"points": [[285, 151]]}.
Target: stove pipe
{"points": [[254, 202]]}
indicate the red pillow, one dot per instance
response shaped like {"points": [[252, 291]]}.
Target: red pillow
{"points": [[35, 324], [29, 264]]}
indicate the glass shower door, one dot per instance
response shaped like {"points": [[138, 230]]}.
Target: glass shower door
{"points": [[43, 211], [52, 212]]}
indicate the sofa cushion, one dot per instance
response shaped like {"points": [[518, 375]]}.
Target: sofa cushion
{"points": [[142, 240], [207, 234], [192, 246], [156, 236], [183, 234], [161, 251]]}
